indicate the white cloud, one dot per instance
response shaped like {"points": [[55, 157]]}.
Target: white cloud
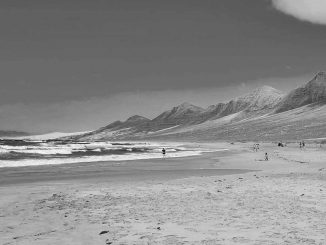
{"points": [[313, 11]]}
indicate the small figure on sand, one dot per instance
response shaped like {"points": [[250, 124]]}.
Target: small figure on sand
{"points": [[163, 152], [302, 144], [266, 156]]}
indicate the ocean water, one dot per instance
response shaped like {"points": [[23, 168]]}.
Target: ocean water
{"points": [[17, 153]]}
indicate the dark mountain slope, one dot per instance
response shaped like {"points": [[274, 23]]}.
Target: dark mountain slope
{"points": [[312, 92]]}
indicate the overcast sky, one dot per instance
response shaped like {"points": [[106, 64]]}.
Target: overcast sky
{"points": [[81, 64]]}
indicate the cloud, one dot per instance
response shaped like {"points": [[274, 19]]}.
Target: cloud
{"points": [[313, 11]]}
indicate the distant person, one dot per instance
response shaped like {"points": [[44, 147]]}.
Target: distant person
{"points": [[163, 152], [300, 144], [266, 156], [303, 144]]}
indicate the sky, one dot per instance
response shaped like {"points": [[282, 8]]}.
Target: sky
{"points": [[79, 64]]}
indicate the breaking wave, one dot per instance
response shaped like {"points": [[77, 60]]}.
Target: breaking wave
{"points": [[16, 153]]}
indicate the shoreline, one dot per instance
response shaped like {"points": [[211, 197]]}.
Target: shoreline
{"points": [[119, 171]]}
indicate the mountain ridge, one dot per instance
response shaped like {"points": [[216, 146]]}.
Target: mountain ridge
{"points": [[263, 102]]}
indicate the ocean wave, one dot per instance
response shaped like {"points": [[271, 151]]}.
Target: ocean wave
{"points": [[45, 153], [126, 157]]}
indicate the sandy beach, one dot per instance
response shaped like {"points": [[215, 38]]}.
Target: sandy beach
{"points": [[231, 197]]}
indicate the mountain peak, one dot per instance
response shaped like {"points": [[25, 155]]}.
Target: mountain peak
{"points": [[261, 92], [261, 98], [266, 90], [136, 118], [187, 106], [179, 114]]}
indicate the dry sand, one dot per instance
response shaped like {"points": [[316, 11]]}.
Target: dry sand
{"points": [[175, 201]]}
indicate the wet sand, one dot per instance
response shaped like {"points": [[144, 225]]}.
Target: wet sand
{"points": [[138, 170]]}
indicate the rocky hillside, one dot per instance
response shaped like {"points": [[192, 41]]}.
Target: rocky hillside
{"points": [[178, 115], [261, 99], [129, 126], [312, 92]]}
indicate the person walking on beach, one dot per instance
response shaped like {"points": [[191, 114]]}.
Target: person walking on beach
{"points": [[266, 156], [163, 152]]}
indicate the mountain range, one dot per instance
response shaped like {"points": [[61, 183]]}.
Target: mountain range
{"points": [[264, 114]]}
